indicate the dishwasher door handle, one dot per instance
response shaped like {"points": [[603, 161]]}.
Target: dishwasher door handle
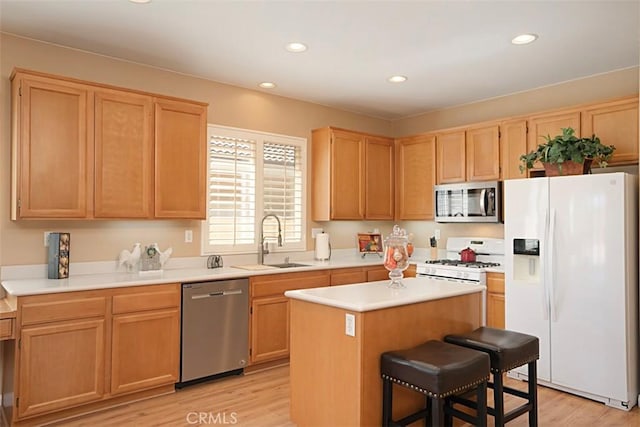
{"points": [[218, 294]]}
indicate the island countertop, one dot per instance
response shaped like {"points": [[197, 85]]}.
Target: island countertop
{"points": [[370, 296]]}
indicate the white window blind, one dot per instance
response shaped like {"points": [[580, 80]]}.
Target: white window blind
{"points": [[251, 174]]}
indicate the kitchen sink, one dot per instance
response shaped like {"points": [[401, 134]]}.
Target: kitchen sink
{"points": [[288, 265]]}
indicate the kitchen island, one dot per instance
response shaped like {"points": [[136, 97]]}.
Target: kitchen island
{"points": [[338, 334]]}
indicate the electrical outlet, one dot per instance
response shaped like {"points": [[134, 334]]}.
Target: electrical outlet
{"points": [[315, 231], [350, 324], [437, 234], [46, 238], [188, 236]]}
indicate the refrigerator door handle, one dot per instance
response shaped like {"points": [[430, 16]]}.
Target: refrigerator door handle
{"points": [[552, 235], [545, 279]]}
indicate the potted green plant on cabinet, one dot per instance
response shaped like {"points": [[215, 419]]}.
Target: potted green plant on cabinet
{"points": [[566, 154]]}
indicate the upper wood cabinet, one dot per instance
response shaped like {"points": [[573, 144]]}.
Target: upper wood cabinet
{"points": [[352, 176], [84, 150], [415, 177], [123, 155], [513, 144], [180, 160], [615, 123], [483, 153], [379, 178], [550, 124], [451, 157], [342, 154], [51, 144]]}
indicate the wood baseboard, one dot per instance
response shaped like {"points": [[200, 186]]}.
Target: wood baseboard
{"points": [[266, 365]]}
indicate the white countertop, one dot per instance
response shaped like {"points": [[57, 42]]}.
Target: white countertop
{"points": [[376, 295], [83, 282], [104, 280]]}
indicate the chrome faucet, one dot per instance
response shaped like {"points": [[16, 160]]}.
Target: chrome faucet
{"points": [[262, 250]]}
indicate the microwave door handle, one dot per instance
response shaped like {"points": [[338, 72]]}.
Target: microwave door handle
{"points": [[483, 205]]}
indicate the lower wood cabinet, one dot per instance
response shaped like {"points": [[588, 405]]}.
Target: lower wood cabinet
{"points": [[74, 349], [495, 300], [269, 330], [61, 365], [269, 323], [140, 356]]}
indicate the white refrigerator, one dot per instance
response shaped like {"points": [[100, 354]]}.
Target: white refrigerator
{"points": [[571, 279]]}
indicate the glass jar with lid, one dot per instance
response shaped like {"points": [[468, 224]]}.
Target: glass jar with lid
{"points": [[396, 256]]}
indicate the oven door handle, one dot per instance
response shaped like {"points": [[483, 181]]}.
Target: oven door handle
{"points": [[483, 204]]}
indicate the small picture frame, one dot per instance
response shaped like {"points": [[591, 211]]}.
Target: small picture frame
{"points": [[370, 243]]}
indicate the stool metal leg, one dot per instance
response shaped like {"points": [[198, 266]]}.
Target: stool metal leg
{"points": [[533, 394], [498, 399], [387, 400], [437, 412], [448, 418], [481, 398], [429, 408]]}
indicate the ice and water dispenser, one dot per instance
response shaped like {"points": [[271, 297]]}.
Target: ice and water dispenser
{"points": [[526, 259]]}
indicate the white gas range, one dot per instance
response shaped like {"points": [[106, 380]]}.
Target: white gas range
{"points": [[489, 253]]}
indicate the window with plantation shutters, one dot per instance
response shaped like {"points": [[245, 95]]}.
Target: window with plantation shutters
{"points": [[252, 174]]}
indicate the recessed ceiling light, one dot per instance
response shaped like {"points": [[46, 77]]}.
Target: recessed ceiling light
{"points": [[296, 47], [524, 39], [140, 1], [267, 85], [397, 79]]}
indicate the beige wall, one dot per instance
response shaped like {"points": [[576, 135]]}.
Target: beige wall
{"points": [[22, 241], [595, 88]]}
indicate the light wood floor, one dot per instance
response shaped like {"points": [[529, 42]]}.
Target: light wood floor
{"points": [[262, 399]]}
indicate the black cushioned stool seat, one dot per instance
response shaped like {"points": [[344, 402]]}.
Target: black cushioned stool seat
{"points": [[438, 370], [507, 350]]}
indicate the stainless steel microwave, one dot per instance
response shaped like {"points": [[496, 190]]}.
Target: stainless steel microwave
{"points": [[468, 202]]}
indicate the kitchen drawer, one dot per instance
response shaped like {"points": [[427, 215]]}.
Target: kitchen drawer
{"points": [[495, 282], [146, 298], [6, 329], [277, 284], [345, 276], [377, 273], [65, 306]]}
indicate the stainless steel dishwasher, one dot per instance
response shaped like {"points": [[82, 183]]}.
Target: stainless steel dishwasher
{"points": [[215, 329]]}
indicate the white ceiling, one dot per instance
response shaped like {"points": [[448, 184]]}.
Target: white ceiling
{"points": [[453, 52]]}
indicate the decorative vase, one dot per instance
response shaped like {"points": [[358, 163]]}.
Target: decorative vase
{"points": [[396, 258], [566, 168]]}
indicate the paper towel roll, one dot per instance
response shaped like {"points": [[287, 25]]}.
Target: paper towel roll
{"points": [[323, 247]]}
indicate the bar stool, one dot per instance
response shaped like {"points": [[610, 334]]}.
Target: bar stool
{"points": [[507, 350], [437, 370]]}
